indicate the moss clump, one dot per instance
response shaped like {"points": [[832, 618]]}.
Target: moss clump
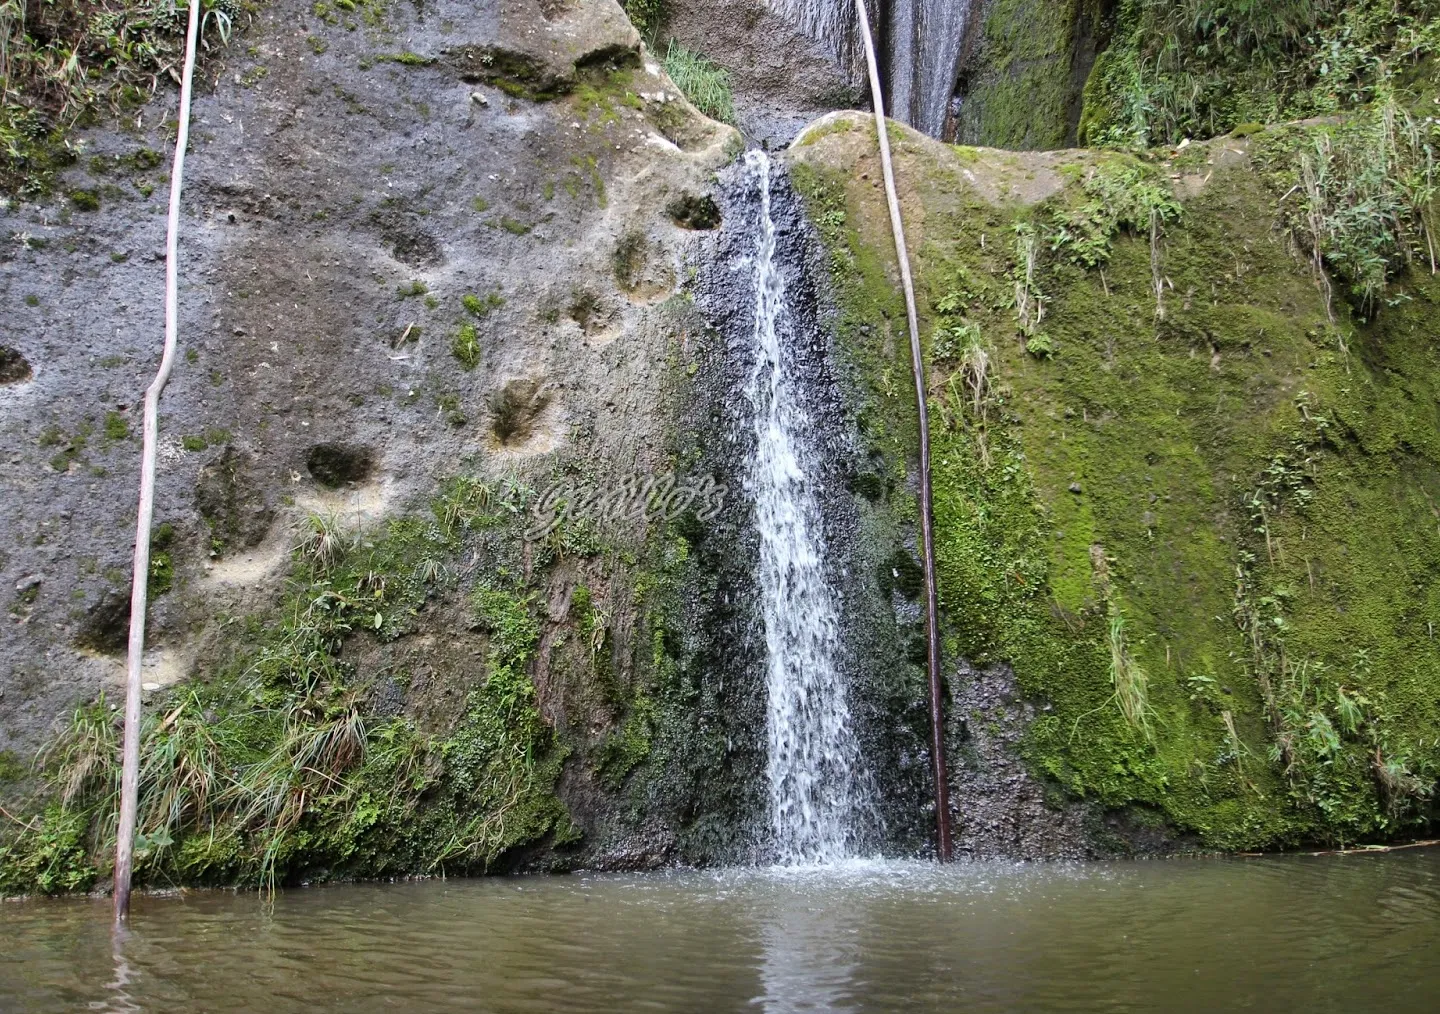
{"points": [[117, 427], [481, 307], [465, 346], [1208, 488], [162, 562], [406, 59]]}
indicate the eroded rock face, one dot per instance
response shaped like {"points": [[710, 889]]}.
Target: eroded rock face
{"points": [[359, 204], [234, 501]]}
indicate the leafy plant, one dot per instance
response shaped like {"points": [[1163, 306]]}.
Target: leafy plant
{"points": [[1199, 68], [1359, 197]]}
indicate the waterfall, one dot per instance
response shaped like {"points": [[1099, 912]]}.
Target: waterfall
{"points": [[921, 41], [816, 782], [832, 23]]}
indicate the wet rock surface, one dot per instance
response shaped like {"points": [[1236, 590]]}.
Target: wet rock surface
{"points": [[781, 79]]}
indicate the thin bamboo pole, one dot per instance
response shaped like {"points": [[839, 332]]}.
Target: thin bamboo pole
{"points": [[927, 514], [139, 580]]}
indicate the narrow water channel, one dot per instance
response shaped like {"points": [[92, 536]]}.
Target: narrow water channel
{"points": [[1312, 934]]}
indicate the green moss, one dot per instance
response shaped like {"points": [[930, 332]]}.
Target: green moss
{"points": [[481, 307], [117, 427], [1024, 94], [406, 59], [85, 200], [162, 562], [211, 437], [840, 125], [465, 346], [1214, 465]]}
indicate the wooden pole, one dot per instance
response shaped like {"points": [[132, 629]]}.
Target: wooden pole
{"points": [[139, 580], [927, 514]]}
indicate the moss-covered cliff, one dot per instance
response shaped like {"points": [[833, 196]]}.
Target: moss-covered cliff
{"points": [[1185, 494]]}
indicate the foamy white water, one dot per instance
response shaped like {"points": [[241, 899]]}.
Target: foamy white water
{"points": [[814, 769]]}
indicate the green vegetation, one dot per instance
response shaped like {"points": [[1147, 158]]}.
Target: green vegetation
{"points": [[64, 63], [1202, 538], [211, 437], [704, 84], [277, 765], [1204, 67], [465, 346], [482, 306], [406, 59], [117, 427], [646, 15], [162, 563], [1359, 197], [1022, 95]]}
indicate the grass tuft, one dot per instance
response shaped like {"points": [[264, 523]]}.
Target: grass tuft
{"points": [[704, 84]]}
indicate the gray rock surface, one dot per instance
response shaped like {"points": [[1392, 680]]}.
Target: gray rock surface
{"points": [[348, 183]]}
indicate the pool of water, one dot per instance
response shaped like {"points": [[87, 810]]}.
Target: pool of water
{"points": [[1328, 933]]}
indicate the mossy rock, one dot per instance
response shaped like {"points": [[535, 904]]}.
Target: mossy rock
{"points": [[1244, 484]]}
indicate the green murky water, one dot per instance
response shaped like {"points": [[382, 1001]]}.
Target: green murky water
{"points": [[1312, 934]]}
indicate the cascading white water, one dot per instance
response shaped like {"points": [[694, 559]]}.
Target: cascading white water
{"points": [[815, 777], [924, 38], [922, 44], [832, 23]]}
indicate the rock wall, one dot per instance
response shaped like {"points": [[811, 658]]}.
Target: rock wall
{"points": [[432, 264]]}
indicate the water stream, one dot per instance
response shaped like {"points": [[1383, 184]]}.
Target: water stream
{"points": [[919, 47], [814, 771], [923, 40]]}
